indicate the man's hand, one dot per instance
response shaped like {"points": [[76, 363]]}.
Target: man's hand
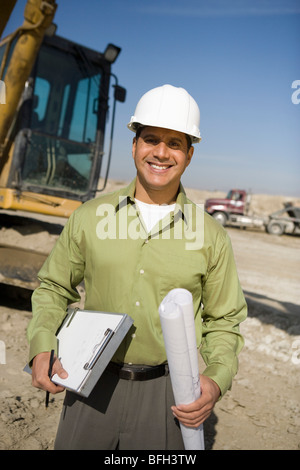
{"points": [[196, 413], [40, 367]]}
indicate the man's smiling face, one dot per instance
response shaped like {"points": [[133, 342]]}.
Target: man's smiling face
{"points": [[160, 156]]}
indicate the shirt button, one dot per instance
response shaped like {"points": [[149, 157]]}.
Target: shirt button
{"points": [[142, 271], [137, 303]]}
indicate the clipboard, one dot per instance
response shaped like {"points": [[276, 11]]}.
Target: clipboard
{"points": [[87, 340]]}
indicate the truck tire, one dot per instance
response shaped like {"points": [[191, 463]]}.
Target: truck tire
{"points": [[275, 228], [221, 217]]}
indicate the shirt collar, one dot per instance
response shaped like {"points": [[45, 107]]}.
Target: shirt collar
{"points": [[127, 194]]}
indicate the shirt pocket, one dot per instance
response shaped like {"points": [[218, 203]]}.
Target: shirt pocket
{"points": [[183, 271]]}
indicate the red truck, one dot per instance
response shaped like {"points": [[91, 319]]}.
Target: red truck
{"points": [[234, 210], [236, 202]]}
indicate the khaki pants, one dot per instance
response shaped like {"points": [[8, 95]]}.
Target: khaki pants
{"points": [[120, 414]]}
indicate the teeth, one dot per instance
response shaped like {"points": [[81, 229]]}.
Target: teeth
{"points": [[158, 167]]}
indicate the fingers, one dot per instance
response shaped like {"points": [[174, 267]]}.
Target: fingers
{"points": [[59, 370], [196, 413], [40, 368]]}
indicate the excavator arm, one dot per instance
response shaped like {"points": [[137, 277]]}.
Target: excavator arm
{"points": [[38, 16]]}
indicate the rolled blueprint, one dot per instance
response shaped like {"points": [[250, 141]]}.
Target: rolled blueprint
{"points": [[177, 320]]}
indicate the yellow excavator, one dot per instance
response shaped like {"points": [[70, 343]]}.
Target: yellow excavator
{"points": [[54, 102]]}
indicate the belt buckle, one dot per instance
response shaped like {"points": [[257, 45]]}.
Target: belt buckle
{"points": [[140, 373]]}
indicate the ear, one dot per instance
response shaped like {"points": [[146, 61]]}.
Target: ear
{"points": [[189, 155], [134, 141]]}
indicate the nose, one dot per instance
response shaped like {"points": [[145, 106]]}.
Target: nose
{"points": [[161, 150]]}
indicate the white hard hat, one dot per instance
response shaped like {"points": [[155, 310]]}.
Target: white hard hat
{"points": [[168, 107]]}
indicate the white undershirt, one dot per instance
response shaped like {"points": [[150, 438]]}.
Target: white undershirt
{"points": [[152, 213]]}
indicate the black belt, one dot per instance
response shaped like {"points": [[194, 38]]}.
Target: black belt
{"points": [[138, 372]]}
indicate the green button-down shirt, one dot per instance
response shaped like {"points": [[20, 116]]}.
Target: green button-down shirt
{"points": [[127, 270]]}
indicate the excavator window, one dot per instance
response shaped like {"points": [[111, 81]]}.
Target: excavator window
{"points": [[63, 123]]}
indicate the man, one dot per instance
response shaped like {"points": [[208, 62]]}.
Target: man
{"points": [[130, 257]]}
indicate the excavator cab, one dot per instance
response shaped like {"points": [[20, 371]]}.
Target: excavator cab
{"points": [[58, 133], [54, 102]]}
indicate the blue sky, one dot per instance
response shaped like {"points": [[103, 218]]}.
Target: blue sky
{"points": [[237, 58]]}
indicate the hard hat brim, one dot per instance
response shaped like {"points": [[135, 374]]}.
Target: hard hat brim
{"points": [[133, 126]]}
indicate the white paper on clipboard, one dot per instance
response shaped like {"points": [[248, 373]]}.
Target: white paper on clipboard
{"points": [[87, 341]]}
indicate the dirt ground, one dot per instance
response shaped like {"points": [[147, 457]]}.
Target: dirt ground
{"points": [[261, 412]]}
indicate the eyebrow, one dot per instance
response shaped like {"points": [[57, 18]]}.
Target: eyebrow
{"points": [[172, 137]]}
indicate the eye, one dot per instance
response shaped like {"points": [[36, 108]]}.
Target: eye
{"points": [[150, 140], [175, 144]]}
